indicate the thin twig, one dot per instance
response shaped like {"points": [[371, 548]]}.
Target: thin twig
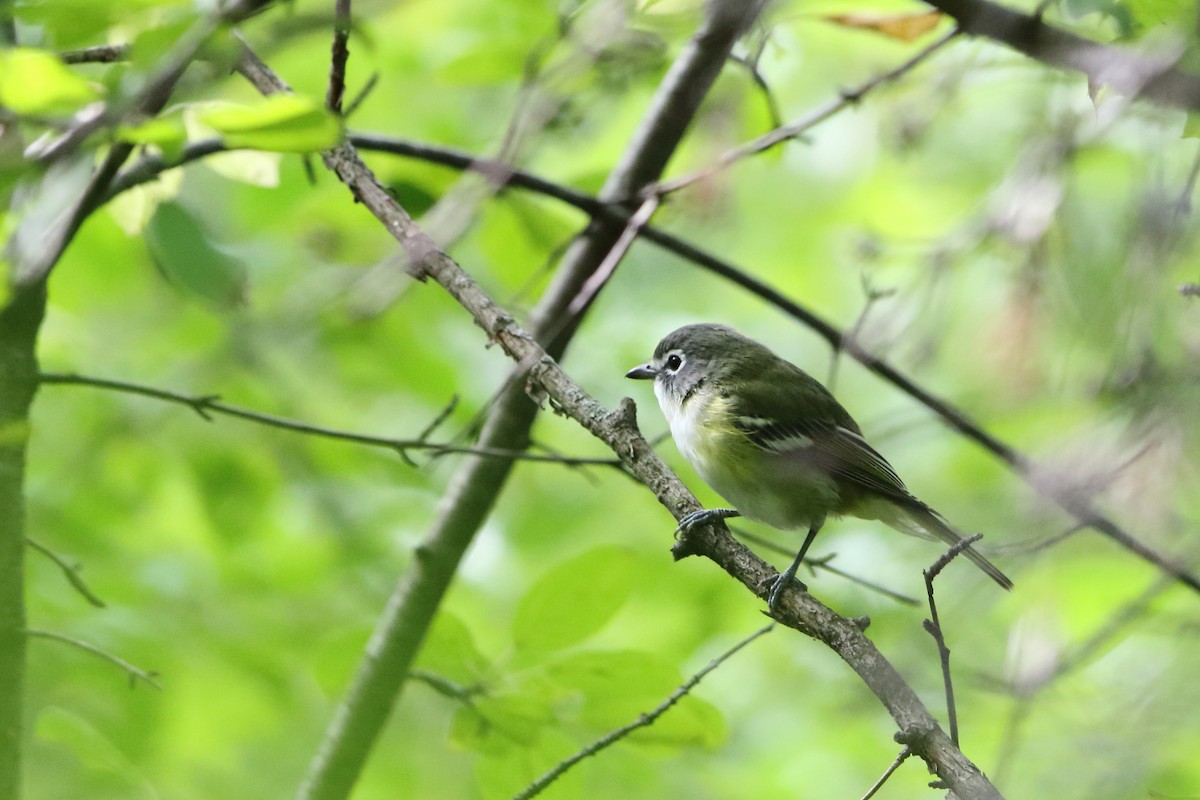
{"points": [[362, 95], [824, 563], [444, 686], [69, 571], [873, 296], [436, 422], [900, 759], [205, 405], [99, 54], [642, 721], [135, 673], [339, 56], [934, 627], [609, 265], [793, 130], [750, 63]]}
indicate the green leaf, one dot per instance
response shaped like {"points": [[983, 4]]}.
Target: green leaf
{"points": [[166, 132], [134, 208], [251, 167], [691, 722], [573, 601], [501, 724], [1191, 127], [109, 769], [616, 686], [450, 650], [188, 259], [282, 123], [36, 82]]}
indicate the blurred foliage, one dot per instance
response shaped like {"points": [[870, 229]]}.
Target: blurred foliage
{"points": [[1025, 245]]}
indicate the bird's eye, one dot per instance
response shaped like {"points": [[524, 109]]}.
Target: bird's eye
{"points": [[674, 362]]}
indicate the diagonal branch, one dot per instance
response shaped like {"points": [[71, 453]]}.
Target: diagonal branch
{"points": [[1154, 78], [135, 673], [478, 482], [618, 429], [793, 130], [643, 720]]}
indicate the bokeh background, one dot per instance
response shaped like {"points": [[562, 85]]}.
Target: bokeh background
{"points": [[1012, 241]]}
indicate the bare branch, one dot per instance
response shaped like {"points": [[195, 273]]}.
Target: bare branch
{"points": [[204, 404], [900, 759], [69, 571], [1154, 78], [340, 54], [100, 54], [618, 429], [794, 130], [609, 265], [135, 673], [474, 488], [362, 95], [645, 720], [934, 627]]}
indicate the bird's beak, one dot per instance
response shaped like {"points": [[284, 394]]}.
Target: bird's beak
{"points": [[644, 372]]}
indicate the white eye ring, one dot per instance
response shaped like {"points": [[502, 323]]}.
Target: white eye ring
{"points": [[673, 362]]}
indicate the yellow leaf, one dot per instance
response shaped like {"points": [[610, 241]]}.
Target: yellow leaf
{"points": [[903, 27]]}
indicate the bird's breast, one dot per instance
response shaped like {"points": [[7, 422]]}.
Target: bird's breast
{"points": [[782, 490]]}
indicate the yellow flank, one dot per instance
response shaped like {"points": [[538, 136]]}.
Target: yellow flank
{"points": [[779, 489]]}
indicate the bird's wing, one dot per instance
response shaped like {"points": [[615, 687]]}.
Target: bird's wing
{"points": [[816, 428]]}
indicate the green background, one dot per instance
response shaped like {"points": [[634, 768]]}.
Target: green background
{"points": [[1027, 240]]}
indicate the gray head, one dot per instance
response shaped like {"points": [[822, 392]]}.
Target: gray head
{"points": [[693, 354]]}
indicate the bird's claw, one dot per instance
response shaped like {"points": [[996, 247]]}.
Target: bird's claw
{"points": [[778, 584], [701, 517]]}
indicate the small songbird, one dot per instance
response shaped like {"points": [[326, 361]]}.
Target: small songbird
{"points": [[775, 443]]}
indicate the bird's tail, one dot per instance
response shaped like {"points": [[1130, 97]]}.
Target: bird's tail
{"points": [[921, 520]]}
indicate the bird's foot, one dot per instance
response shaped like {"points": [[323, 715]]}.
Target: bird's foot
{"points": [[778, 584], [703, 516]]}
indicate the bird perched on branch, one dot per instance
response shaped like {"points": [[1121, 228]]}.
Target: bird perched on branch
{"points": [[771, 440]]}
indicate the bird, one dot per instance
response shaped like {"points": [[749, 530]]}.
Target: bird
{"points": [[775, 443]]}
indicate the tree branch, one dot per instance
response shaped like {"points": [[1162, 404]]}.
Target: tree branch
{"points": [[69, 571], [338, 57], [887, 773], [135, 673], [476, 485], [644, 720], [795, 129], [20, 320], [203, 405], [618, 429], [1132, 74], [933, 626]]}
